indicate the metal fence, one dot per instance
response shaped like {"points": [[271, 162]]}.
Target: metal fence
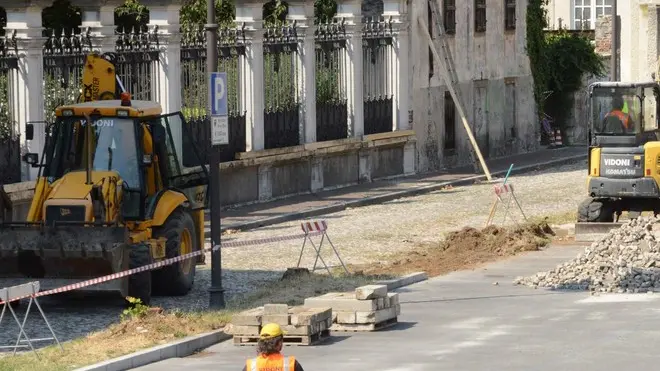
{"points": [[194, 93], [10, 171], [282, 105], [136, 57], [64, 58], [331, 102], [377, 70], [137, 60]]}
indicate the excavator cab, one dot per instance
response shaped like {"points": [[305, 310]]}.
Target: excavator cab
{"points": [[624, 151], [112, 194]]}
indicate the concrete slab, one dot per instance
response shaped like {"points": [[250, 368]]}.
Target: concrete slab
{"points": [[463, 322]]}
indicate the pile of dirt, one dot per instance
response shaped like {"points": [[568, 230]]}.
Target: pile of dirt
{"points": [[469, 248]]}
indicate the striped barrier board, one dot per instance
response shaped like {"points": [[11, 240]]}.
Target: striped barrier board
{"points": [[503, 189]]}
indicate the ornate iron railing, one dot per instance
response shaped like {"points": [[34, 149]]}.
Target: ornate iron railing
{"points": [[282, 106], [136, 63], [10, 170], [377, 69], [64, 58], [331, 102], [194, 91]]}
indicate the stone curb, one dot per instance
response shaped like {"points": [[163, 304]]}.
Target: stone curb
{"points": [[402, 281], [393, 195], [182, 348]]}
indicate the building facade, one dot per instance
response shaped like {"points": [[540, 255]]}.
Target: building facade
{"points": [[638, 34], [577, 14], [487, 40]]}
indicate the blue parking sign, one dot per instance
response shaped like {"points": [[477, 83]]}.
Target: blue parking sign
{"points": [[218, 93]]}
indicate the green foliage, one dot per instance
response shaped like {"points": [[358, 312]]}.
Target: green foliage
{"points": [[193, 13], [324, 10], [558, 62], [62, 15], [132, 15], [5, 118], [536, 22], [136, 309]]}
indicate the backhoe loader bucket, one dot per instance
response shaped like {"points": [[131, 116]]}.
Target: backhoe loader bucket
{"points": [[586, 232], [63, 251]]}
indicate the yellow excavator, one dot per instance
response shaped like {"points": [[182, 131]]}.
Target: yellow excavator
{"points": [[624, 156], [112, 194]]}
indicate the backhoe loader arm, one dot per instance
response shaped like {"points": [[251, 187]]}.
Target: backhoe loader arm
{"points": [[100, 80]]}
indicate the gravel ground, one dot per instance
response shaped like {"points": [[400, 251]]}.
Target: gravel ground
{"points": [[361, 235]]}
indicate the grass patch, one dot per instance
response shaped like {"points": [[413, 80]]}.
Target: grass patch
{"points": [[144, 328], [556, 218]]}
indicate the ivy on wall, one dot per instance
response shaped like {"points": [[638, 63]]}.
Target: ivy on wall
{"points": [[558, 61]]}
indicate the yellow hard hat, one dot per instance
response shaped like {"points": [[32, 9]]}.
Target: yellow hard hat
{"points": [[271, 330]]}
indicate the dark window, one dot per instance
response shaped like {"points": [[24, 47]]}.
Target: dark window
{"points": [[450, 123], [479, 15], [429, 22], [449, 16], [509, 14]]}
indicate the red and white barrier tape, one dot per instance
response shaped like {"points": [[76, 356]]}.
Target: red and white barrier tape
{"points": [[504, 188], [310, 228]]}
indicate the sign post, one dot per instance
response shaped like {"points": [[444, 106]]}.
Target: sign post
{"points": [[217, 85]]}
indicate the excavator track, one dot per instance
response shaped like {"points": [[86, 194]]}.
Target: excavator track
{"points": [[588, 232]]}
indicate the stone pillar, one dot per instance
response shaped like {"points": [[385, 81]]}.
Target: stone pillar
{"points": [[166, 76], [303, 14], [99, 18], [25, 23], [397, 10], [251, 71], [351, 11]]}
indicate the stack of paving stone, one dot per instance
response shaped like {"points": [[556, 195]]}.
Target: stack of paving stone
{"points": [[303, 326], [369, 308]]}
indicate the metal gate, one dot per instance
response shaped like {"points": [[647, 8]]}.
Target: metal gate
{"points": [[10, 171], [64, 58], [281, 108], [194, 93], [137, 58], [331, 102], [377, 69]]}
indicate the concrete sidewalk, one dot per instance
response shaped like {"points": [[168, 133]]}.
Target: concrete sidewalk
{"points": [[462, 321], [314, 204]]}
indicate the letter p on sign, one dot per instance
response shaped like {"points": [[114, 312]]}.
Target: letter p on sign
{"points": [[218, 93]]}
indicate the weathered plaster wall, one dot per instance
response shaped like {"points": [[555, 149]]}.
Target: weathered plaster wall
{"points": [[495, 82]]}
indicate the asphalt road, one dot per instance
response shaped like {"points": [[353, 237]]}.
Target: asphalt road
{"points": [[463, 321]]}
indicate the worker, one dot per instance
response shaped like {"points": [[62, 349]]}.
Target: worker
{"points": [[269, 358], [617, 121]]}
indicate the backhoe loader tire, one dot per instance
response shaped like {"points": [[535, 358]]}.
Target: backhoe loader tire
{"points": [[171, 280], [595, 210], [139, 284]]}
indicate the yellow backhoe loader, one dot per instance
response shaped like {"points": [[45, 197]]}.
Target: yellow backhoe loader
{"points": [[624, 156], [112, 194]]}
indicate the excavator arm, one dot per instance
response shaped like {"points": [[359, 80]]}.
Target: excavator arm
{"points": [[100, 80]]}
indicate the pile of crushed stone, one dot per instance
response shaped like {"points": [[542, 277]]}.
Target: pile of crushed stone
{"points": [[625, 260]]}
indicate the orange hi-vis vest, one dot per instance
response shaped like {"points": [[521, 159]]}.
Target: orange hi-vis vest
{"points": [[271, 362], [621, 116]]}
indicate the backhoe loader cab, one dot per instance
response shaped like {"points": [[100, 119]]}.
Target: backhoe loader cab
{"points": [[112, 194], [624, 151]]}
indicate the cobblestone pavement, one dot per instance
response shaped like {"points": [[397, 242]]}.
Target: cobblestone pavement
{"points": [[369, 233]]}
